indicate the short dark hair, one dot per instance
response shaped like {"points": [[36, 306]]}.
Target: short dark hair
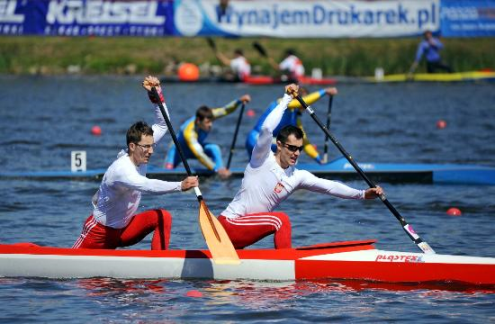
{"points": [[290, 51], [204, 112], [288, 130], [136, 131], [238, 51]]}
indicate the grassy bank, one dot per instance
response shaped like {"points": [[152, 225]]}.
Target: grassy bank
{"points": [[350, 57]]}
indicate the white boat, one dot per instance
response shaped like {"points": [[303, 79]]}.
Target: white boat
{"points": [[355, 260]]}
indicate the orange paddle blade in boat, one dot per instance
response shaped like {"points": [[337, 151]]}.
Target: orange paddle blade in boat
{"points": [[221, 248]]}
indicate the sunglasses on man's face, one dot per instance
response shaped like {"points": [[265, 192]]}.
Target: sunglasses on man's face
{"points": [[293, 148]]}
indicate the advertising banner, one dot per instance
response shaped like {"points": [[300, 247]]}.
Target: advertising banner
{"points": [[306, 19], [248, 18], [468, 18], [86, 17]]}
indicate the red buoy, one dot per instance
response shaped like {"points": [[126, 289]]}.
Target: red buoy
{"points": [[96, 130], [250, 113], [454, 211], [194, 293], [441, 124]]}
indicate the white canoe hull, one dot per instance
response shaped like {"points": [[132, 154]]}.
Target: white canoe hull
{"points": [[343, 260]]}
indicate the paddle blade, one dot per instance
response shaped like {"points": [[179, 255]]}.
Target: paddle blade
{"points": [[211, 43], [219, 244], [260, 49]]}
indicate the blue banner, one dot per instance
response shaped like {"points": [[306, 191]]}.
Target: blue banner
{"points": [[86, 17], [467, 18], [253, 18]]}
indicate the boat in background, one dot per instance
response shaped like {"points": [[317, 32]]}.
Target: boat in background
{"points": [[353, 260], [253, 80], [338, 169], [487, 76]]}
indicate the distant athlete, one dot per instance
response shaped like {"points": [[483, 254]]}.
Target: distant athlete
{"points": [[239, 64], [291, 116], [114, 222], [270, 178], [192, 138], [291, 66]]}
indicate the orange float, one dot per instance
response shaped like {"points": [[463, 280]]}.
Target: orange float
{"points": [[188, 72]]}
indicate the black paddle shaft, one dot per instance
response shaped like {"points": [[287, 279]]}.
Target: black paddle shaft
{"points": [[232, 147], [172, 133], [329, 119], [260, 49], [407, 228]]}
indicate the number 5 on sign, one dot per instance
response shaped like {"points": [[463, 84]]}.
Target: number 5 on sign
{"points": [[78, 161]]}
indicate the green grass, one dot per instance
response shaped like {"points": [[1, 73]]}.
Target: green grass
{"points": [[350, 57]]}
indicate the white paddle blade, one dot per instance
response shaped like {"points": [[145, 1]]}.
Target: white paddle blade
{"points": [[221, 248], [426, 248]]}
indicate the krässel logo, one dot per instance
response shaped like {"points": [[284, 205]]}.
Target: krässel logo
{"points": [[188, 18]]}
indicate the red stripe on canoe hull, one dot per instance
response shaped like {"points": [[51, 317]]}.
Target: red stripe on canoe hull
{"points": [[403, 272], [265, 254]]}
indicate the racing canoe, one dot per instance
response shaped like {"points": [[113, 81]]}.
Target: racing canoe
{"points": [[339, 169], [473, 76], [353, 260]]}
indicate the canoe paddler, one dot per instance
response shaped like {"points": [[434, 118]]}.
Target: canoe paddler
{"points": [[291, 66], [270, 178], [291, 116], [192, 138], [114, 222]]}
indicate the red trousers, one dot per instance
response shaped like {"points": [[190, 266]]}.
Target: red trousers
{"points": [[249, 229], [98, 236]]}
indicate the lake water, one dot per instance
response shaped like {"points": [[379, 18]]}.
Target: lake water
{"points": [[43, 119]]}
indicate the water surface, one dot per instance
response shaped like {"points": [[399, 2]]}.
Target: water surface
{"points": [[44, 119]]}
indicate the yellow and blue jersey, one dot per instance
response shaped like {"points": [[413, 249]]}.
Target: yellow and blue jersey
{"points": [[292, 116], [193, 143]]}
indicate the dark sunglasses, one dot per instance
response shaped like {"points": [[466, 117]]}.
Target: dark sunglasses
{"points": [[293, 148]]}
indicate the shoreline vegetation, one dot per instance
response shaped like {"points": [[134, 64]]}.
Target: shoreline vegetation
{"points": [[34, 55]]}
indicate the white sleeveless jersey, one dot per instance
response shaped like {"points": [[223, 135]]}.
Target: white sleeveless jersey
{"points": [[265, 184], [293, 64], [119, 195], [241, 67]]}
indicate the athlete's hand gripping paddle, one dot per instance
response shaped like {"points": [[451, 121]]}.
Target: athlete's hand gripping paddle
{"points": [[219, 243]]}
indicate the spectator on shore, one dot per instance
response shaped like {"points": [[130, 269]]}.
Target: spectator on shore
{"points": [[430, 47]]}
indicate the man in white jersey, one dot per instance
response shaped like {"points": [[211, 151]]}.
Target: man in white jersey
{"points": [[270, 178], [239, 64], [291, 65], [114, 222]]}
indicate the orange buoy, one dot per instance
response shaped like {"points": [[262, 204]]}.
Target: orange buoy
{"points": [[441, 124], [188, 72], [454, 211], [250, 113], [96, 130]]}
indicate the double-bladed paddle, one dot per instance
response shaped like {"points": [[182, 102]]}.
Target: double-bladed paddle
{"points": [[221, 248], [232, 146], [425, 247]]}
